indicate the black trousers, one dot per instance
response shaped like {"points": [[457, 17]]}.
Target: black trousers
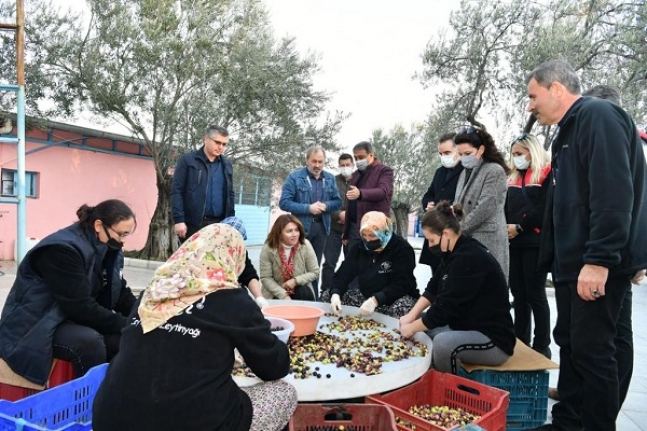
{"points": [[586, 332], [331, 257], [528, 287], [83, 346], [317, 237]]}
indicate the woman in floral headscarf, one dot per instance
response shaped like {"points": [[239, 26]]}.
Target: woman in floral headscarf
{"points": [[177, 354], [383, 263]]}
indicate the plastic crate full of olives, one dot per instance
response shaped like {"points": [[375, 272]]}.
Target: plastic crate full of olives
{"points": [[441, 402]]}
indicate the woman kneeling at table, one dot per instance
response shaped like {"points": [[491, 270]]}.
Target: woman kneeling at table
{"points": [[383, 264], [173, 371], [469, 312]]}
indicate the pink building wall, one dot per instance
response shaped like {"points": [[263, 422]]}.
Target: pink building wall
{"points": [[69, 177]]}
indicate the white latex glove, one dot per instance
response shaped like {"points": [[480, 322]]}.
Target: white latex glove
{"points": [[261, 302], [368, 307], [335, 304], [238, 359]]}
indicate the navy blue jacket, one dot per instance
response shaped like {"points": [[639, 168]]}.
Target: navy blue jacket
{"points": [[596, 209], [34, 307], [189, 189]]}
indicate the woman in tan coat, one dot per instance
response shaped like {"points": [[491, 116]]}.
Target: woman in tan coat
{"points": [[288, 263]]}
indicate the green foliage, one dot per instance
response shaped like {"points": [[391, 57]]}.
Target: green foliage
{"points": [[166, 69], [482, 59]]}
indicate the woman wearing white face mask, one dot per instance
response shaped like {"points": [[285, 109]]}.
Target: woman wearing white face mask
{"points": [[527, 186], [442, 188], [481, 190]]}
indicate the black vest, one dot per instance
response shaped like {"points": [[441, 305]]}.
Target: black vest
{"points": [[30, 314]]}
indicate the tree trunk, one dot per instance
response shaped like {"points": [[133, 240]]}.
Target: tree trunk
{"points": [[162, 241], [401, 220]]}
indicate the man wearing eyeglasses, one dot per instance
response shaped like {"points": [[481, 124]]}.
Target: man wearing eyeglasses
{"points": [[202, 191], [593, 236]]}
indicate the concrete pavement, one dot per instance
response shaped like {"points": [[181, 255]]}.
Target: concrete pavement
{"points": [[633, 416]]}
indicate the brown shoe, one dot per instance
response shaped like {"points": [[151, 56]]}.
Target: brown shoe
{"points": [[553, 394]]}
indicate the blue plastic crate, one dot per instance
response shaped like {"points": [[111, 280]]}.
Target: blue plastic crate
{"points": [[528, 394], [65, 407]]}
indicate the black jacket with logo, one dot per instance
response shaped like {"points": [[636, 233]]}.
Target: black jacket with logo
{"points": [[178, 376], [469, 293], [387, 275], [598, 202]]}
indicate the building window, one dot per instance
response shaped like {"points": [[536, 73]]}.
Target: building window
{"points": [[253, 190], [10, 183]]}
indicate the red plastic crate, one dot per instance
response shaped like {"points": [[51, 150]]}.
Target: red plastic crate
{"points": [[440, 389], [353, 417], [61, 373]]}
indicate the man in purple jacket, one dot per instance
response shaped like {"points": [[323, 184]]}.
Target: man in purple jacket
{"points": [[370, 189]]}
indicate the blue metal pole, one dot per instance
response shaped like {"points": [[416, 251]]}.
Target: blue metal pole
{"points": [[21, 240]]}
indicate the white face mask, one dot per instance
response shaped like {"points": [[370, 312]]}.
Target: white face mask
{"points": [[521, 162], [362, 164], [448, 161], [346, 171]]}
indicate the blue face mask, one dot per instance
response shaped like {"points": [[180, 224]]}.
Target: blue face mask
{"points": [[470, 161]]}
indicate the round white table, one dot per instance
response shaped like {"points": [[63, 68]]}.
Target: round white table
{"points": [[341, 385]]}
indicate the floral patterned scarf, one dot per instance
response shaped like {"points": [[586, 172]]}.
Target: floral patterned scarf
{"points": [[209, 261], [378, 223], [287, 265]]}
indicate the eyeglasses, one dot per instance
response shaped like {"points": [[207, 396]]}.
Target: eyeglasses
{"points": [[119, 234], [217, 142]]}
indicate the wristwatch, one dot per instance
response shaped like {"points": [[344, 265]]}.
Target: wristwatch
{"points": [[518, 228]]}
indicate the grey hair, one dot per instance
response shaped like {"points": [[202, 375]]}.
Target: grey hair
{"points": [[605, 92], [315, 149], [214, 130], [556, 71]]}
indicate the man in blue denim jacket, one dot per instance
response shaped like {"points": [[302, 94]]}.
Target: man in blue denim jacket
{"points": [[311, 194]]}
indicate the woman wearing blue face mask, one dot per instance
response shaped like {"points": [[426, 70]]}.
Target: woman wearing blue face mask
{"points": [[468, 317], [524, 210], [69, 300], [383, 264], [481, 191]]}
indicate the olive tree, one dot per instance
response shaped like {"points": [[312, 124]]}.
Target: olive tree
{"points": [[165, 69]]}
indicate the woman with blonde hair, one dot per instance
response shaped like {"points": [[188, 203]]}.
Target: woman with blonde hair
{"points": [[288, 263], [524, 210]]}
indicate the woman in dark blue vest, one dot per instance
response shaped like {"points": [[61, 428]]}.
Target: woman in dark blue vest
{"points": [[69, 300]]}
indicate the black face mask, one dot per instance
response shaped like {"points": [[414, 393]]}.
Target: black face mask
{"points": [[436, 251], [112, 243], [372, 245]]}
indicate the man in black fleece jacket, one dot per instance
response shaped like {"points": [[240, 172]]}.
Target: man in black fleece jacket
{"points": [[594, 236]]}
